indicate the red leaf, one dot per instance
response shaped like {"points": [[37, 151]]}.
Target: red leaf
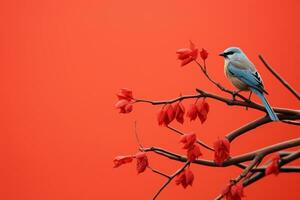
{"points": [[202, 109], [186, 61], [125, 94], [203, 54], [166, 115], [185, 178], [161, 117], [273, 167], [141, 162], [192, 112], [234, 192], [120, 160], [170, 112], [193, 152], [124, 105], [222, 150], [188, 140], [179, 112], [187, 55]]}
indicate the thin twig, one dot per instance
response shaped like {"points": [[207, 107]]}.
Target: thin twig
{"points": [[170, 179], [292, 90], [297, 123], [158, 172], [137, 136], [198, 141]]}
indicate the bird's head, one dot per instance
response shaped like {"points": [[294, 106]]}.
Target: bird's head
{"points": [[232, 53]]}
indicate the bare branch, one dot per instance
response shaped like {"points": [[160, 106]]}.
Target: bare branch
{"points": [[292, 90], [229, 102], [233, 160], [257, 176], [297, 123]]}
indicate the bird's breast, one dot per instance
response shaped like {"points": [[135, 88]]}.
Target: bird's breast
{"points": [[236, 82]]}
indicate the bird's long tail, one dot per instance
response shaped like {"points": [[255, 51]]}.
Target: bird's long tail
{"points": [[269, 109]]}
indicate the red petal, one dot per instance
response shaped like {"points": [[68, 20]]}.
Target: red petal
{"points": [[222, 150], [192, 112], [183, 50], [184, 55], [179, 112], [186, 61], [202, 109], [141, 162], [188, 140], [170, 112], [203, 54], [125, 94], [193, 153], [161, 116], [273, 167], [189, 177], [192, 45], [120, 160], [121, 103]]}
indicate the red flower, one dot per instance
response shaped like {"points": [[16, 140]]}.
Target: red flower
{"points": [[187, 55], [234, 192], [188, 140], [125, 101], [203, 54], [120, 160], [192, 112], [202, 109], [166, 115], [179, 112], [124, 105], [185, 178], [273, 167], [125, 94], [222, 150], [141, 162], [193, 152]]}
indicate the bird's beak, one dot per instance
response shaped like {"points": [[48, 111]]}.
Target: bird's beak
{"points": [[222, 54]]}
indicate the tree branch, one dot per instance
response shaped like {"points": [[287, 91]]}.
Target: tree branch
{"points": [[170, 179], [229, 102], [292, 90], [198, 141]]}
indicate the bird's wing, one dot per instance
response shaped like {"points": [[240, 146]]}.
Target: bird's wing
{"points": [[251, 78], [243, 63]]}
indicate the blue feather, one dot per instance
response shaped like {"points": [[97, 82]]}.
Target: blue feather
{"points": [[269, 109]]}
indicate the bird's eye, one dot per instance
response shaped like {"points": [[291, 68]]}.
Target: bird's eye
{"points": [[229, 53]]}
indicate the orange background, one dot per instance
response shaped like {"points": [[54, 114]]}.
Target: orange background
{"points": [[62, 61]]}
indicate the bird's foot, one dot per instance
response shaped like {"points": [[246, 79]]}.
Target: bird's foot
{"points": [[249, 99]]}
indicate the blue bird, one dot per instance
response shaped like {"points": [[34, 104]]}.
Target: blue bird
{"points": [[242, 73]]}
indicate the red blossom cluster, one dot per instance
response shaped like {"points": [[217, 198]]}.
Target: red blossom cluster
{"points": [[273, 167], [125, 100], [141, 161], [185, 178], [187, 55], [169, 112], [222, 150], [234, 192], [189, 143]]}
